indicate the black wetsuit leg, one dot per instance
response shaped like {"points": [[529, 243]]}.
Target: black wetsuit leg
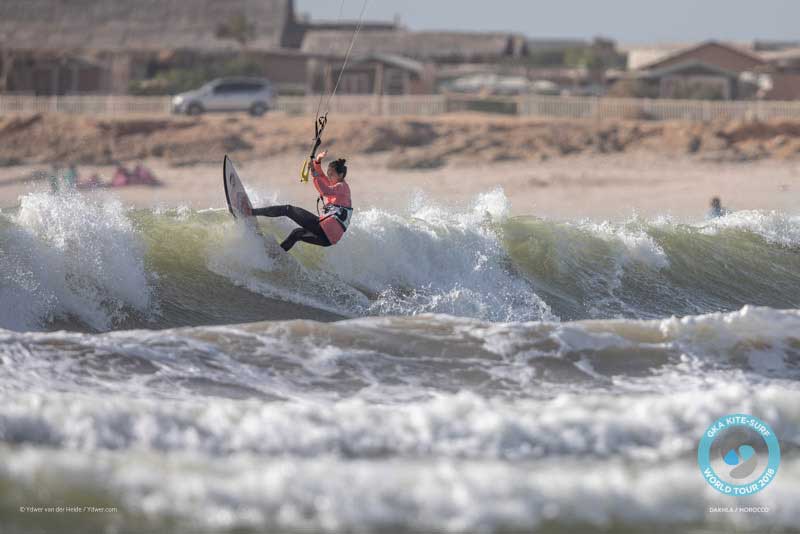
{"points": [[301, 234], [310, 231]]}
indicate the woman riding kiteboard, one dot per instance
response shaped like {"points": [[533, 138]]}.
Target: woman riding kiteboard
{"points": [[327, 229]]}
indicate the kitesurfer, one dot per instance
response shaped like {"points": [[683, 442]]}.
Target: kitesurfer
{"points": [[327, 229]]}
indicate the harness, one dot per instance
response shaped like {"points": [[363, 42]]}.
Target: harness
{"points": [[340, 213]]}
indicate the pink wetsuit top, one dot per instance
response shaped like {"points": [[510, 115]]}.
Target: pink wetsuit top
{"points": [[331, 193]]}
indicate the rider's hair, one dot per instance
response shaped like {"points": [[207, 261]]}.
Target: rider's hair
{"points": [[339, 165]]}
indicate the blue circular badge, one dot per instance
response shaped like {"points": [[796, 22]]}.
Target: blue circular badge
{"points": [[739, 455]]}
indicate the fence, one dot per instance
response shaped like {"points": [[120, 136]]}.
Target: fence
{"points": [[88, 105], [662, 109], [425, 105], [365, 104]]}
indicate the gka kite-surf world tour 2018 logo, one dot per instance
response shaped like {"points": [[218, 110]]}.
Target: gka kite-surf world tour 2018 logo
{"points": [[739, 455]]}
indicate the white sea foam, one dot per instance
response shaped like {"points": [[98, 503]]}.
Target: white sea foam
{"points": [[71, 256], [455, 463], [257, 262], [436, 259], [775, 227], [635, 244], [640, 427], [400, 359], [145, 419]]}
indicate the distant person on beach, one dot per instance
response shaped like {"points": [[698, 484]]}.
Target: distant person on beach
{"points": [[716, 209], [328, 228], [65, 178], [140, 175], [53, 178], [71, 176]]}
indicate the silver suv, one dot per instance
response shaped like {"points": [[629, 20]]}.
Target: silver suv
{"points": [[227, 94]]}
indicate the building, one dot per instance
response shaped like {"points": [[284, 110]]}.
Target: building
{"points": [[770, 45], [786, 61], [400, 61], [436, 47], [784, 73], [694, 79], [99, 46], [725, 56], [468, 59], [639, 56], [709, 70], [57, 47], [115, 46], [722, 71], [379, 74]]}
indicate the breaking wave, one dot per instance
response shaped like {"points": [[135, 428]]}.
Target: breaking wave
{"points": [[90, 264]]}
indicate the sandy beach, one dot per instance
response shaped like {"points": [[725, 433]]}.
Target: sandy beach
{"points": [[649, 178]]}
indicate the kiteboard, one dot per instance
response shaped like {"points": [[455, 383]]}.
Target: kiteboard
{"points": [[238, 202]]}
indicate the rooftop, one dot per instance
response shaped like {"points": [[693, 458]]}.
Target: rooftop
{"points": [[139, 24], [424, 45], [730, 49]]}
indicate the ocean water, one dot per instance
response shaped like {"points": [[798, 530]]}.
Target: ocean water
{"points": [[442, 369]]}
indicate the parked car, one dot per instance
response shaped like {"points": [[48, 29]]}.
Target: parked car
{"points": [[227, 94]]}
